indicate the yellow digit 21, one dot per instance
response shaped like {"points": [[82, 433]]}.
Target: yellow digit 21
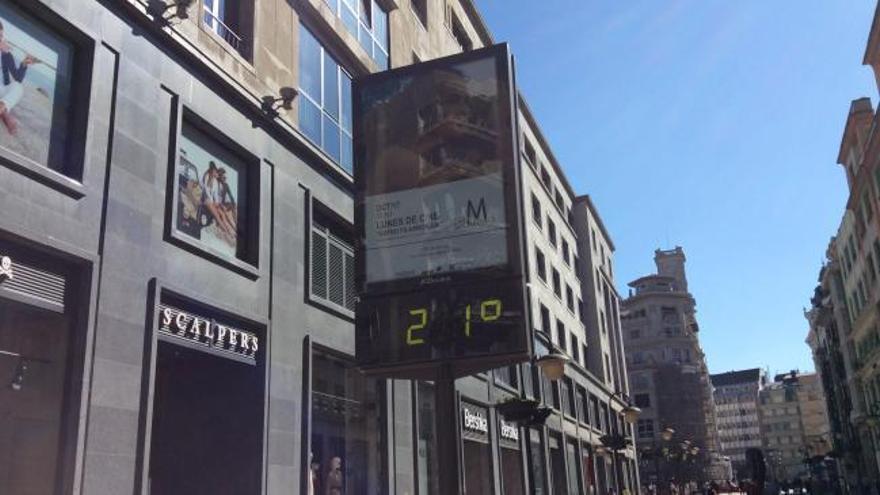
{"points": [[422, 315]]}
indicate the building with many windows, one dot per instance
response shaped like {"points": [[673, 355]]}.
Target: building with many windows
{"points": [[667, 370], [844, 317], [176, 264], [794, 427], [834, 362], [736, 409]]}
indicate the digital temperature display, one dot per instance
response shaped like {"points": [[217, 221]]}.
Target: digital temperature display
{"points": [[474, 322]]}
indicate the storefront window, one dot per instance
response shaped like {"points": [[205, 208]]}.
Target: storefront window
{"points": [[347, 432], [574, 481], [557, 465], [602, 474], [536, 461], [511, 458], [589, 472], [427, 441], [34, 355], [477, 450], [208, 405]]}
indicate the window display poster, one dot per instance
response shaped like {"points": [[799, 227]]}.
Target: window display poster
{"points": [[436, 146], [36, 67], [209, 186]]}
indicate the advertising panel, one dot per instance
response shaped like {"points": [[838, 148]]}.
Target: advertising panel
{"points": [[438, 213], [36, 77]]}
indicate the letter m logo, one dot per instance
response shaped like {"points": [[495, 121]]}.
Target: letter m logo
{"points": [[474, 213]]}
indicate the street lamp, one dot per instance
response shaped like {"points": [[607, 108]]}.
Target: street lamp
{"points": [[631, 414], [552, 365], [666, 434]]}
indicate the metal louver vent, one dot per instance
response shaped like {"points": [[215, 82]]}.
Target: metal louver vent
{"points": [[319, 265], [32, 282], [336, 273], [349, 281]]}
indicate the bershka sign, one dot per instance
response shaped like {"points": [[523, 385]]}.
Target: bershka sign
{"points": [[475, 421], [182, 327], [509, 431]]}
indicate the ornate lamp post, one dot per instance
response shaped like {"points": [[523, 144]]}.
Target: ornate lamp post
{"points": [[617, 442]]}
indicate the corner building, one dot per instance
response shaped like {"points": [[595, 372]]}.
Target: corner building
{"points": [[668, 373], [176, 284]]}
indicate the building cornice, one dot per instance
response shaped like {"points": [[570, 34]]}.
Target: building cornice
{"points": [[548, 151], [587, 200], [872, 47]]}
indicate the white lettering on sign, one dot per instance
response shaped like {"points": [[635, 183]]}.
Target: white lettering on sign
{"points": [[185, 325], [475, 421], [5, 268], [509, 431]]}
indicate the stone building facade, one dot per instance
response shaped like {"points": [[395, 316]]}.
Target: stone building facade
{"points": [[176, 297], [794, 426], [667, 370]]}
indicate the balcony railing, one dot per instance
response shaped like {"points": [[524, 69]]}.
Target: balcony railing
{"points": [[218, 26]]}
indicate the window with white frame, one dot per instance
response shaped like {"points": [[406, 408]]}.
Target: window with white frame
{"points": [[541, 264], [332, 265], [229, 19], [536, 211], [368, 22], [557, 284], [325, 108]]}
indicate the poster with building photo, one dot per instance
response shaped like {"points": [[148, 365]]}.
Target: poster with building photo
{"points": [[210, 180], [435, 144], [35, 88]]}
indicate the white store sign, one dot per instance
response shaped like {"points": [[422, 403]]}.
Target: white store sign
{"points": [[475, 421], [509, 431], [185, 328]]}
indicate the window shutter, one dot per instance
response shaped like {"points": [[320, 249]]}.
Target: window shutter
{"points": [[350, 294], [336, 274], [319, 265]]}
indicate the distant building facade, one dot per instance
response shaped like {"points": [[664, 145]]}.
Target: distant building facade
{"points": [[667, 369], [736, 409], [783, 435], [794, 426]]}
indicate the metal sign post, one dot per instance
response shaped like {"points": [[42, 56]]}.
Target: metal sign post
{"points": [[440, 263], [448, 453]]}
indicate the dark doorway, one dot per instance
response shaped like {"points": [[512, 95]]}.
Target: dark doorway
{"points": [[34, 359], [207, 424]]}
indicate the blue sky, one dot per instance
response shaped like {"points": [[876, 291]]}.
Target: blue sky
{"points": [[709, 124]]}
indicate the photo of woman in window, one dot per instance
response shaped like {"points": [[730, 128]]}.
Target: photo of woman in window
{"points": [[13, 75], [219, 203], [35, 79], [208, 184]]}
